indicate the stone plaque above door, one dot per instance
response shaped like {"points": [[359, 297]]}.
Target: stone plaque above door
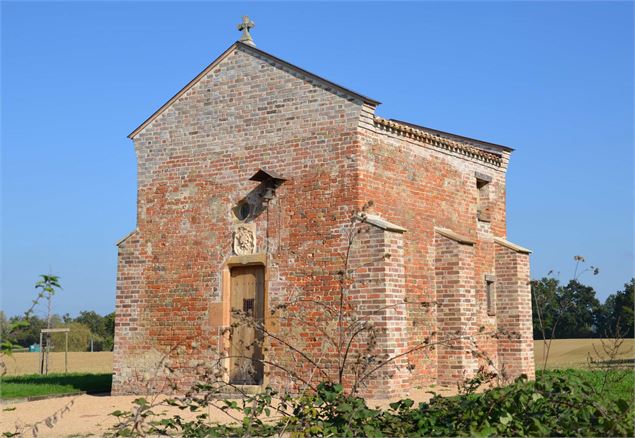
{"points": [[244, 239]]}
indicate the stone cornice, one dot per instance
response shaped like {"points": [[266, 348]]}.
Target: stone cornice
{"points": [[437, 141]]}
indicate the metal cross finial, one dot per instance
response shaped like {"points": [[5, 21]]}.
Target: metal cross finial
{"points": [[244, 27]]}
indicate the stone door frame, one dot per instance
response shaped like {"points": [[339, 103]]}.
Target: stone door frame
{"points": [[243, 261]]}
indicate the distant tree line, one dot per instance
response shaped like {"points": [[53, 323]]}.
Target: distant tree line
{"points": [[575, 307], [577, 313], [86, 327]]}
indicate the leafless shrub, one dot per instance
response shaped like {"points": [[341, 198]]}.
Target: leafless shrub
{"points": [[605, 359], [563, 304]]}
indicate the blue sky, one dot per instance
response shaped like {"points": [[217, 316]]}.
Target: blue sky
{"points": [[552, 79]]}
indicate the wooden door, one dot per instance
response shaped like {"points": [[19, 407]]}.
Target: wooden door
{"points": [[247, 295]]}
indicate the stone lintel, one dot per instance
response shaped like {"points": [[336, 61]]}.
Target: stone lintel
{"points": [[512, 246], [454, 236], [249, 259], [483, 177], [381, 223], [124, 238]]}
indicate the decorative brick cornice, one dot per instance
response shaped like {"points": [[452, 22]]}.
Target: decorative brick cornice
{"points": [[437, 141]]}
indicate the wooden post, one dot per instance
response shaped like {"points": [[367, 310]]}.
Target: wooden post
{"points": [[46, 354], [48, 332], [66, 354], [41, 355]]}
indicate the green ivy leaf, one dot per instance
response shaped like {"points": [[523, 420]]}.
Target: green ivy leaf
{"points": [[506, 419]]}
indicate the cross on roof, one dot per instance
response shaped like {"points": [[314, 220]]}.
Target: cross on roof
{"points": [[244, 28]]}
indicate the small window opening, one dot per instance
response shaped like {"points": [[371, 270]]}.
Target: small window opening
{"points": [[490, 293], [243, 210], [483, 202], [248, 306]]}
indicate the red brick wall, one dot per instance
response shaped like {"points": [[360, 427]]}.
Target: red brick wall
{"points": [[513, 312], [129, 295], [418, 186], [456, 310], [194, 162], [378, 296]]}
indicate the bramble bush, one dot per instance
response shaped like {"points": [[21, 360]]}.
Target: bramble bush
{"points": [[560, 403]]}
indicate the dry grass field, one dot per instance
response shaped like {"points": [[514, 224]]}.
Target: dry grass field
{"points": [[565, 353], [573, 353], [27, 363]]}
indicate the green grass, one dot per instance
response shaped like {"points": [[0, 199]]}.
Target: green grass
{"points": [[619, 384], [35, 384]]}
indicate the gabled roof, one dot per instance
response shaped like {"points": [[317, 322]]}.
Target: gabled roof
{"points": [[260, 53]]}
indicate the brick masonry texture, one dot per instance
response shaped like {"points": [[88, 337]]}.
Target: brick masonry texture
{"points": [[457, 309], [251, 112]]}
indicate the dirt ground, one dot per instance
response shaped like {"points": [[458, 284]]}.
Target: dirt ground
{"points": [[89, 415], [28, 363]]}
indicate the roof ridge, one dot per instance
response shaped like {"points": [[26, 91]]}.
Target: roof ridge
{"points": [[436, 140]]}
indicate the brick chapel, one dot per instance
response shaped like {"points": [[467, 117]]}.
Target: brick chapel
{"points": [[248, 180]]}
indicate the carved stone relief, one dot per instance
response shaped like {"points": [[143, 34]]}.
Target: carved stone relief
{"points": [[244, 239]]}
